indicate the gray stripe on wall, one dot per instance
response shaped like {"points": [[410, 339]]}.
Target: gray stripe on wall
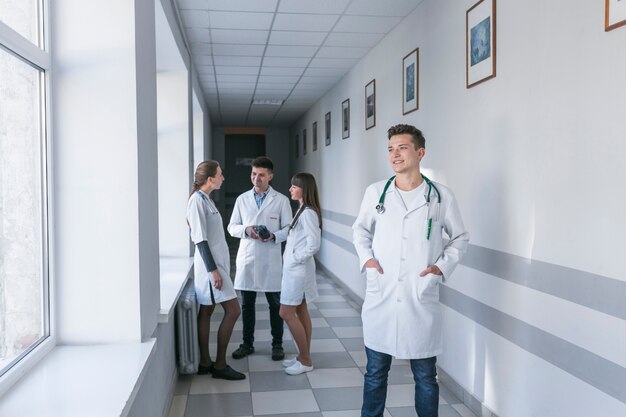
{"points": [[593, 291], [339, 241], [595, 370]]}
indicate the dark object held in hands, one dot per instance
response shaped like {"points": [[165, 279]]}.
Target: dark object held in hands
{"points": [[262, 232]]}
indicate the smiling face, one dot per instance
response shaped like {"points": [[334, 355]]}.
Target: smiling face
{"points": [[261, 178], [295, 192], [403, 155]]}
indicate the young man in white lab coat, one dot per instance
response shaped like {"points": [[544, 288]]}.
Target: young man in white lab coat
{"points": [[399, 240], [259, 259]]}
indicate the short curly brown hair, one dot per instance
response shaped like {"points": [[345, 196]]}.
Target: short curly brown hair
{"points": [[418, 138]]}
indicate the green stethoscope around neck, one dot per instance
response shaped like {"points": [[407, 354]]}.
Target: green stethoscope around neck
{"points": [[380, 207]]}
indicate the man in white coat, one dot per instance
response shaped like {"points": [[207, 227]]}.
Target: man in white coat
{"points": [[259, 259], [398, 236]]}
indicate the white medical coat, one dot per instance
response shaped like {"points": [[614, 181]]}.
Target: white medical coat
{"points": [[401, 311], [299, 266], [205, 223], [259, 264]]}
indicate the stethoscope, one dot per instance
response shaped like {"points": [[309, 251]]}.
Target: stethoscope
{"points": [[380, 207]]}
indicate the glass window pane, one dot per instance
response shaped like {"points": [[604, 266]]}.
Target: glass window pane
{"points": [[23, 17], [22, 237]]}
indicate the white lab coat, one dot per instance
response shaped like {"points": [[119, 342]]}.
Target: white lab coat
{"points": [[299, 266], [401, 312], [205, 223], [259, 264]]}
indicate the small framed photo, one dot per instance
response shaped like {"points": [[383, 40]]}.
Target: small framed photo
{"points": [[370, 105], [297, 145], [327, 128], [304, 142], [410, 81], [614, 14], [480, 42], [345, 119], [314, 136]]}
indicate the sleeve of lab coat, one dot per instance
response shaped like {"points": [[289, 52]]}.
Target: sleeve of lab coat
{"points": [[197, 218], [285, 220], [456, 247], [312, 233], [235, 227], [363, 228]]}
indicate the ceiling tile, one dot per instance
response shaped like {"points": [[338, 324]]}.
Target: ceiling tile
{"points": [[243, 5], [198, 35], [240, 20], [285, 62], [230, 36], [362, 40], [201, 49], [195, 18], [193, 4], [398, 8], [305, 22], [319, 80], [290, 51], [235, 70], [309, 6], [332, 63], [281, 71], [277, 95], [238, 50], [227, 78], [274, 87], [248, 86], [341, 52], [366, 24], [278, 79], [202, 59], [248, 61], [205, 69], [288, 37], [325, 72]]}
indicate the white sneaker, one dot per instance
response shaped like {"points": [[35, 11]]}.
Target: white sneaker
{"points": [[297, 369], [288, 362]]}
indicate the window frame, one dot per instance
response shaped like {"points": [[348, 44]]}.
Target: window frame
{"points": [[40, 59]]}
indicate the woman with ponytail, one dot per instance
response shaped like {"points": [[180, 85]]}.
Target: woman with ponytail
{"points": [[212, 270], [299, 284]]}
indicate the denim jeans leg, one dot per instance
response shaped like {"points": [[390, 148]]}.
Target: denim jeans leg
{"points": [[276, 323], [426, 386], [248, 316], [375, 385]]}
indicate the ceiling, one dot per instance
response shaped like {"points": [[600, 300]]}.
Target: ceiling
{"points": [[287, 51]]}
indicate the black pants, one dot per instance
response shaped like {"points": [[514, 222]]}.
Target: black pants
{"points": [[248, 315]]}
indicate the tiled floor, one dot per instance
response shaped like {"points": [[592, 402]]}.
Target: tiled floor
{"points": [[333, 389]]}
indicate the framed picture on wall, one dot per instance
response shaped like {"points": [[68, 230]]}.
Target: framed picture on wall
{"points": [[304, 142], [345, 119], [314, 136], [480, 42], [327, 128], [370, 105], [410, 82], [614, 14], [297, 145]]}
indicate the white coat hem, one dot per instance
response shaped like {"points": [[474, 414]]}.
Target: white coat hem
{"points": [[397, 355]]}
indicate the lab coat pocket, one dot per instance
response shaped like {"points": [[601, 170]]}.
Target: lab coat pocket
{"points": [[428, 288], [373, 282]]}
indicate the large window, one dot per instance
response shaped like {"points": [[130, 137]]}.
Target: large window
{"points": [[24, 310]]}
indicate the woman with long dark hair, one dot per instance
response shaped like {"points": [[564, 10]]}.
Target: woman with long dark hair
{"points": [[212, 270], [299, 283]]}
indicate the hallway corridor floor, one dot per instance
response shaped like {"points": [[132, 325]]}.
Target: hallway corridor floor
{"points": [[333, 389]]}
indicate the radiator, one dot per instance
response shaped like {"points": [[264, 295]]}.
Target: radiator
{"points": [[186, 314]]}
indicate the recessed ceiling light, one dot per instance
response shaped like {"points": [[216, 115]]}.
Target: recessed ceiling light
{"points": [[267, 102]]}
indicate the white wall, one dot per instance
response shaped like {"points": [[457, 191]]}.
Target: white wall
{"points": [[534, 157]]}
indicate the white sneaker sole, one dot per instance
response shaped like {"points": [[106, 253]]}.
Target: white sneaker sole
{"points": [[297, 369]]}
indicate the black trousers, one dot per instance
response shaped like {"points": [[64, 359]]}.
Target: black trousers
{"points": [[248, 315]]}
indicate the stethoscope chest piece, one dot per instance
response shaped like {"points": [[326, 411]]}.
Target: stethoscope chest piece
{"points": [[380, 208]]}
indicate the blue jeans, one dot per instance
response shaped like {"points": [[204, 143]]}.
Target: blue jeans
{"points": [[375, 387]]}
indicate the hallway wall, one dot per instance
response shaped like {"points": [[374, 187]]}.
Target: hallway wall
{"points": [[534, 317]]}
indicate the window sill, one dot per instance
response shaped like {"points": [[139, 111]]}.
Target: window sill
{"points": [[97, 380], [174, 274]]}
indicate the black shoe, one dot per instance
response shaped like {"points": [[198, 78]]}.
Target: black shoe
{"points": [[228, 373], [203, 370], [242, 351], [278, 354]]}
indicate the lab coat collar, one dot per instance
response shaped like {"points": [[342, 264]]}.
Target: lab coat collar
{"points": [[419, 201], [271, 193]]}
